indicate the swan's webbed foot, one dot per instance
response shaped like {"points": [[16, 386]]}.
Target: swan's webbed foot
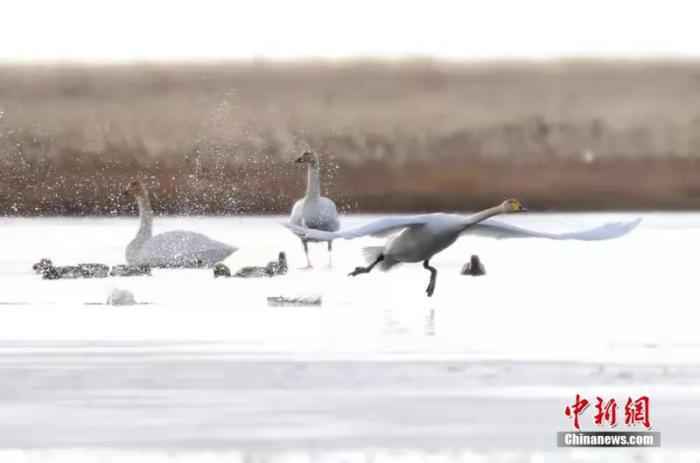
{"points": [[431, 288], [307, 267], [359, 270]]}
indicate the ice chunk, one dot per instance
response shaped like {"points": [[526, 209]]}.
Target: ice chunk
{"points": [[283, 301], [121, 297]]}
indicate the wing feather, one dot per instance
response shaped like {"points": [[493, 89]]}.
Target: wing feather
{"points": [[495, 229], [377, 228]]}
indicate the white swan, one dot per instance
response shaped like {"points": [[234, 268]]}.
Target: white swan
{"points": [[423, 236], [313, 210], [170, 249]]}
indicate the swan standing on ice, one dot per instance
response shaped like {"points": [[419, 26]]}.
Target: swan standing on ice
{"points": [[313, 210], [170, 249], [419, 238]]}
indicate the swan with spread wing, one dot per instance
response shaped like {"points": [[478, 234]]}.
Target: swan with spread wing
{"points": [[418, 238]]}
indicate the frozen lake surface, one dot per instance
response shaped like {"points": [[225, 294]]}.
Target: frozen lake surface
{"points": [[379, 372]]}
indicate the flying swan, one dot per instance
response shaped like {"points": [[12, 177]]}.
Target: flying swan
{"points": [[314, 211], [419, 238], [170, 249]]}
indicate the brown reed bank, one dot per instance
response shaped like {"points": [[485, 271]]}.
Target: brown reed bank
{"points": [[219, 138]]}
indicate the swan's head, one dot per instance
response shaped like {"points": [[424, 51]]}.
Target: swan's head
{"points": [[513, 205], [136, 189], [308, 158]]}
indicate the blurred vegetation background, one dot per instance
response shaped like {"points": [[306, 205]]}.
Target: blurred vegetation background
{"points": [[220, 138]]}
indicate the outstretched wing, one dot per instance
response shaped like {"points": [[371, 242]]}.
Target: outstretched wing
{"points": [[496, 229], [378, 228]]}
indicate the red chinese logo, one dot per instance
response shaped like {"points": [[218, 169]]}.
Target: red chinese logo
{"points": [[636, 411], [575, 410], [607, 412]]}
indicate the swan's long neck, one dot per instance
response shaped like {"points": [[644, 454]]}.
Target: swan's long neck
{"points": [[483, 215], [145, 230], [146, 217], [313, 181]]}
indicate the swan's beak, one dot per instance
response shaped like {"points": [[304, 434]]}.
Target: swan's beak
{"points": [[299, 160]]}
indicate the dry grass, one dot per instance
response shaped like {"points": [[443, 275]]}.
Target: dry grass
{"points": [[212, 138]]}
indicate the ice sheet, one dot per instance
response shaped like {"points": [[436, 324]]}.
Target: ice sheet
{"points": [[486, 365]]}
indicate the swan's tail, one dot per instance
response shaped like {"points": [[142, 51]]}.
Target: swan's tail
{"points": [[372, 253]]}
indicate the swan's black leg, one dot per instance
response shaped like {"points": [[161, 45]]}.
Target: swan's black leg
{"points": [[433, 276], [330, 258], [306, 252], [367, 269]]}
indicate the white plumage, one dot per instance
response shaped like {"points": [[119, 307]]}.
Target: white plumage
{"points": [[314, 211], [170, 249]]}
